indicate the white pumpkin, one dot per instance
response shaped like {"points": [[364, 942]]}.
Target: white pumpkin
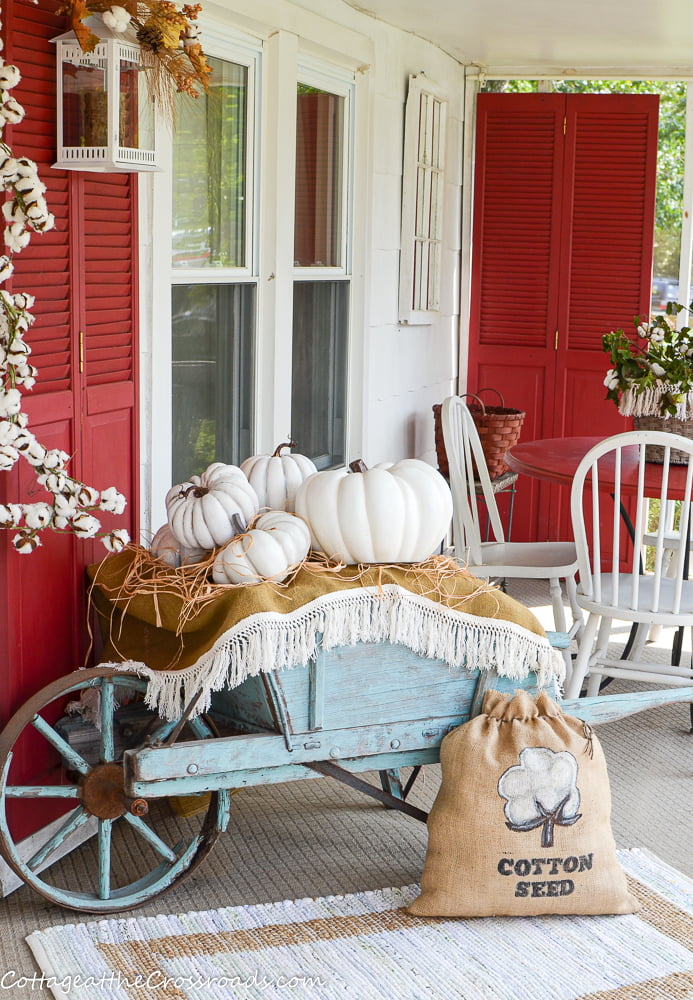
{"points": [[210, 509], [165, 546], [390, 513], [276, 543], [275, 478]]}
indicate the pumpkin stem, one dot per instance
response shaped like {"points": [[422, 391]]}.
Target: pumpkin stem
{"points": [[197, 491], [286, 444], [358, 465], [237, 523]]}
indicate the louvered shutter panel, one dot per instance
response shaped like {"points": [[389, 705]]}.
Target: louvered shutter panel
{"points": [[610, 177], [562, 253], [516, 218], [42, 268], [109, 235], [83, 276]]}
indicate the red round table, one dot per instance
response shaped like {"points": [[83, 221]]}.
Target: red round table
{"points": [[555, 460]]}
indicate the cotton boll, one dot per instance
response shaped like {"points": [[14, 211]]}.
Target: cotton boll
{"points": [[26, 543], [6, 267], [117, 19], [37, 515], [8, 432], [88, 496], [10, 402], [112, 501], [8, 457], [116, 540], [16, 238], [12, 111], [9, 77], [85, 525], [8, 168]]}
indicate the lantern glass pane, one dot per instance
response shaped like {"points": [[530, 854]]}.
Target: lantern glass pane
{"points": [[210, 176], [85, 106], [136, 108]]}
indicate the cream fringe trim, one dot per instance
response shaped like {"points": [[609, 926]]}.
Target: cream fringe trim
{"points": [[646, 403], [371, 614]]}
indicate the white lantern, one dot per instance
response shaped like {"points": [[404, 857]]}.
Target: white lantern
{"points": [[105, 111]]}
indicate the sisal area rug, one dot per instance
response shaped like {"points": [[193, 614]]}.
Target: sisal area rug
{"points": [[363, 947]]}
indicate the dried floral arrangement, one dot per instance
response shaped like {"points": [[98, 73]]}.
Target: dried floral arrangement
{"points": [[166, 32], [72, 505]]}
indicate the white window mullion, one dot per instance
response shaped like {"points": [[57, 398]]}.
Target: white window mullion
{"points": [[275, 298]]}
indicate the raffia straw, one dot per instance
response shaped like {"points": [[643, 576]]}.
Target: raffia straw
{"points": [[192, 586]]}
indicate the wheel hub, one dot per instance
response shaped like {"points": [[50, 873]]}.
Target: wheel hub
{"points": [[103, 792]]}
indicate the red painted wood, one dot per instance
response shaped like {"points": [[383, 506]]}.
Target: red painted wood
{"points": [[83, 275], [562, 254], [555, 460]]}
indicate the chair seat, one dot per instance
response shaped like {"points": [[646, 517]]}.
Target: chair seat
{"points": [[539, 560], [623, 611]]}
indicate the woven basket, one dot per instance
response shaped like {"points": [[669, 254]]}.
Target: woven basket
{"points": [[499, 429], [655, 452]]}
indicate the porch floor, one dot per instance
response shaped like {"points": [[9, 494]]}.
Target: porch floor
{"points": [[316, 838]]}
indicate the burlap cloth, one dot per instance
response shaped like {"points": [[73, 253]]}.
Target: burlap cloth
{"points": [[238, 631]]}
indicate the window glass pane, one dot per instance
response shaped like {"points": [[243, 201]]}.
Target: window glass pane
{"points": [[210, 186], [319, 370], [212, 375], [319, 178]]}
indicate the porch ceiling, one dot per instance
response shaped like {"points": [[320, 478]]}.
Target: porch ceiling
{"points": [[556, 35]]}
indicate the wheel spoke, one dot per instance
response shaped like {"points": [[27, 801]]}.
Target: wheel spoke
{"points": [[42, 792], [146, 831], [78, 817], [105, 827], [107, 710], [70, 756]]}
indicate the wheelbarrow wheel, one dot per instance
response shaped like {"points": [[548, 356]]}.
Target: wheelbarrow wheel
{"points": [[134, 849]]}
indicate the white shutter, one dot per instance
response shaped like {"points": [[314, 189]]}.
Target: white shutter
{"points": [[423, 186]]}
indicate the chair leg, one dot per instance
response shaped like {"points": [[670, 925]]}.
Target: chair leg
{"points": [[578, 626], [581, 662], [557, 603]]}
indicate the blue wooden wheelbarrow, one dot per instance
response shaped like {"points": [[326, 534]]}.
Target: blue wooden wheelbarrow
{"points": [[365, 708]]}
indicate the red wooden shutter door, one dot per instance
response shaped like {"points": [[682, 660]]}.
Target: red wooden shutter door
{"points": [[83, 276], [564, 219]]}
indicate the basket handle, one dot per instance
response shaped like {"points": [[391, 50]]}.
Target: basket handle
{"points": [[479, 401], [491, 389]]}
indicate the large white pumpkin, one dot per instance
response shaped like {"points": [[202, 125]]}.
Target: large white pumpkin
{"points": [[390, 513], [276, 543], [165, 546], [208, 510], [275, 478]]}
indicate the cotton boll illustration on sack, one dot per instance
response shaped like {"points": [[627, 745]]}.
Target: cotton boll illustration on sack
{"points": [[521, 824], [541, 791]]}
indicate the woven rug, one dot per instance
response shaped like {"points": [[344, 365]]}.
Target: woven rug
{"points": [[363, 946]]}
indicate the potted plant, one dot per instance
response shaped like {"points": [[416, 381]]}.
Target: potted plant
{"points": [[651, 374]]}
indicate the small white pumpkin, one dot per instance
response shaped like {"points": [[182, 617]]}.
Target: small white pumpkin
{"points": [[165, 546], [208, 510], [275, 478], [276, 543], [390, 513]]}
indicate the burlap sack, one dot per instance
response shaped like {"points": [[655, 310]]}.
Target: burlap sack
{"points": [[521, 824]]}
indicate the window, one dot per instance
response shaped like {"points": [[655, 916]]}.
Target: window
{"points": [[213, 301], [321, 273], [422, 203], [260, 265]]}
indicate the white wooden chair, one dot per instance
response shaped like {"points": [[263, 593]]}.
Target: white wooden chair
{"points": [[498, 559], [660, 595]]}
